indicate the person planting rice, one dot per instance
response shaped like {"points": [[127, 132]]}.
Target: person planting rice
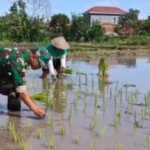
{"points": [[53, 57], [13, 65]]}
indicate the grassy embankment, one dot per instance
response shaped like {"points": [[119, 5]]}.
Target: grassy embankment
{"points": [[106, 45]]}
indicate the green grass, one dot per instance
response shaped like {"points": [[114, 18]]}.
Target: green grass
{"points": [[106, 43]]}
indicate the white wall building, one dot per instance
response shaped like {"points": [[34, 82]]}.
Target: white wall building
{"points": [[105, 14], [108, 17]]}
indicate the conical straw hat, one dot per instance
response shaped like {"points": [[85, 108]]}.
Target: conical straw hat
{"points": [[60, 43]]}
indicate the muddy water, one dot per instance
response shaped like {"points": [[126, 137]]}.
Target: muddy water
{"points": [[87, 113]]}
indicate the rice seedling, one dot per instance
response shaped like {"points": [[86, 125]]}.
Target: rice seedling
{"points": [[40, 134], [70, 114], [93, 83], [103, 131], [52, 143], [136, 122], [126, 94], [117, 120], [93, 146], [96, 105], [110, 93], [147, 140], [143, 114], [85, 104], [92, 125], [68, 71], [133, 98], [44, 98], [103, 67], [62, 131], [119, 147], [17, 138], [79, 81], [26, 146], [77, 100], [120, 95], [50, 123], [86, 79], [147, 99], [29, 124], [76, 140]]}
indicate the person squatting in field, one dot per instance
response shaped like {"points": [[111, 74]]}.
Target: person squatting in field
{"points": [[13, 65], [53, 57]]}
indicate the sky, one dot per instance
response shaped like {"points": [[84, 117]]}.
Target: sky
{"points": [[69, 7]]}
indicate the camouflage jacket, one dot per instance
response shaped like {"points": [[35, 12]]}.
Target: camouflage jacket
{"points": [[13, 64]]}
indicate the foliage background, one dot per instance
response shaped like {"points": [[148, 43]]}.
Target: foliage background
{"points": [[18, 26]]}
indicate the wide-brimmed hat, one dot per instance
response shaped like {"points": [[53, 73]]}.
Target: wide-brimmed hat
{"points": [[60, 43]]}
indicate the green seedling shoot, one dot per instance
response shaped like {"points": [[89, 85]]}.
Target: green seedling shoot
{"points": [[52, 143], [17, 138], [117, 120], [103, 68], [119, 147], [62, 131], [147, 139], [76, 140], [40, 134], [93, 147], [26, 146]]}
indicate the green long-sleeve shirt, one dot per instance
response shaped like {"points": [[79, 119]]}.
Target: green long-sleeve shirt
{"points": [[49, 52]]}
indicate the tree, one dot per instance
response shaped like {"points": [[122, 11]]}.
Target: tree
{"points": [[79, 28], [95, 33], [59, 24], [3, 28], [145, 27], [129, 21], [17, 21], [13, 8], [37, 29], [18, 26]]}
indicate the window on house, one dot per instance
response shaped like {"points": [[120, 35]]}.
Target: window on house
{"points": [[115, 20]]}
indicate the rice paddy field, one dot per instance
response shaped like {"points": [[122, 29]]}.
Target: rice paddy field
{"points": [[84, 111]]}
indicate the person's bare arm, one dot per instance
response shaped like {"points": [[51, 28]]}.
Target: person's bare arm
{"points": [[26, 98]]}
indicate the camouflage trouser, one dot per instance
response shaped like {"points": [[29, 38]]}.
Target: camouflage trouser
{"points": [[13, 103]]}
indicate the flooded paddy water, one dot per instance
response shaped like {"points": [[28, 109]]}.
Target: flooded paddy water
{"points": [[85, 112]]}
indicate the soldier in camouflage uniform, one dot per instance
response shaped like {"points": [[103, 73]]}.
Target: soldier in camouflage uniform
{"points": [[13, 65]]}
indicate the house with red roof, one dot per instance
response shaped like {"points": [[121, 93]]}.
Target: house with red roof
{"points": [[108, 17]]}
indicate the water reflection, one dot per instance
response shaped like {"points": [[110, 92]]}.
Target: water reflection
{"points": [[128, 62], [59, 96], [137, 75], [103, 83], [45, 85], [95, 109]]}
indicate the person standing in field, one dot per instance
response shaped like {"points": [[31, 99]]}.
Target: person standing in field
{"points": [[13, 65], [53, 57]]}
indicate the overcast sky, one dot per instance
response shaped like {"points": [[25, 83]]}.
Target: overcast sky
{"points": [[78, 6]]}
